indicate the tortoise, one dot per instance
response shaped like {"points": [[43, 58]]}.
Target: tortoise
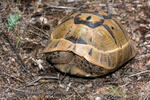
{"points": [[89, 43]]}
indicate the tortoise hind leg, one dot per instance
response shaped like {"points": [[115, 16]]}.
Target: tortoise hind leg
{"points": [[71, 69]]}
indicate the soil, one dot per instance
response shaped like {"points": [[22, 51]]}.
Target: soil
{"points": [[25, 73]]}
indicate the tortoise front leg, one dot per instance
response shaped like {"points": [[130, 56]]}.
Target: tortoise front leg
{"points": [[64, 62], [60, 57]]}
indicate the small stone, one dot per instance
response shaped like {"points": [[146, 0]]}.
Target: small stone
{"points": [[144, 50], [147, 63], [89, 85], [98, 98], [148, 3], [145, 43], [69, 1], [148, 47], [43, 20], [147, 36]]}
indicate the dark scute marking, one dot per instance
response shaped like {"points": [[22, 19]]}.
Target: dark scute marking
{"points": [[74, 48], [88, 18], [97, 14], [119, 58], [90, 52], [91, 39], [70, 70], [77, 20], [74, 40], [120, 28], [69, 18], [69, 31], [101, 59], [131, 50], [110, 32], [56, 44], [108, 60], [70, 46], [107, 17]]}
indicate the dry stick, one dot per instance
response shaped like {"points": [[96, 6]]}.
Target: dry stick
{"points": [[61, 7], [142, 56], [147, 96], [11, 76], [108, 7], [76, 92], [12, 47], [146, 71], [23, 66], [41, 77], [47, 35], [28, 92]]}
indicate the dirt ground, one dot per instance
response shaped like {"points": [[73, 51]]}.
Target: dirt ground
{"points": [[22, 63]]}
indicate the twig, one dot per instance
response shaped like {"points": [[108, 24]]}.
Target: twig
{"points": [[77, 93], [11, 76], [41, 77], [45, 36], [61, 7], [13, 48], [146, 71], [27, 92], [23, 66], [104, 5], [142, 56], [146, 97], [108, 7], [0, 24]]}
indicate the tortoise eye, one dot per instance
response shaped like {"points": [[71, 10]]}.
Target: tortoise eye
{"points": [[88, 18], [112, 28]]}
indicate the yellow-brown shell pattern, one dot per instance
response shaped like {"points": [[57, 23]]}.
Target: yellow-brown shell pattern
{"points": [[94, 35]]}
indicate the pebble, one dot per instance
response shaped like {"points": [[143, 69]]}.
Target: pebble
{"points": [[43, 20], [98, 98], [147, 36], [148, 47], [89, 85], [143, 50], [147, 63], [70, 1], [148, 3]]}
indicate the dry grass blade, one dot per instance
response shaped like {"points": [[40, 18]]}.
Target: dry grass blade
{"points": [[61, 7], [46, 35], [39, 78], [147, 96], [146, 71], [27, 92], [11, 76], [19, 59]]}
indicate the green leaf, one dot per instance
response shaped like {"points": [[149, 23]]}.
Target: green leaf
{"points": [[12, 21]]}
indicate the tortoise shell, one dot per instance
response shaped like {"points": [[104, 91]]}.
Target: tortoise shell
{"points": [[90, 37]]}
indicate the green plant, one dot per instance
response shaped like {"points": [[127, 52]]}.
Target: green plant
{"points": [[12, 21], [117, 91], [17, 42], [113, 90]]}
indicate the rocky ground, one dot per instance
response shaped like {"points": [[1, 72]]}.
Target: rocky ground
{"points": [[22, 63]]}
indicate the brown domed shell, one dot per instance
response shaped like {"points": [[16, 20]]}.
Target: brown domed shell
{"points": [[94, 35]]}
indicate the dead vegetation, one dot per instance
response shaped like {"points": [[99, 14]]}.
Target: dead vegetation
{"points": [[25, 74]]}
